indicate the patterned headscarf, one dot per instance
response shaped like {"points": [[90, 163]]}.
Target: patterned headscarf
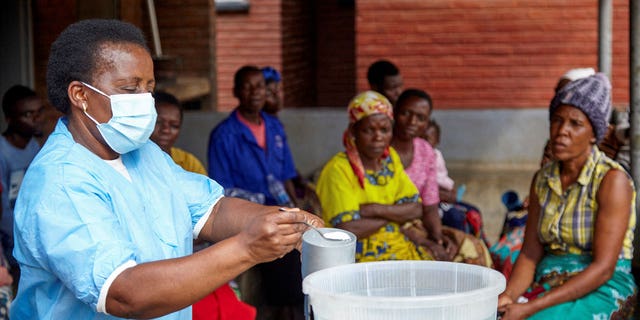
{"points": [[363, 105]]}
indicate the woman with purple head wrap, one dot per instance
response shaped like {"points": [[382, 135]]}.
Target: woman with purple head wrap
{"points": [[577, 251]]}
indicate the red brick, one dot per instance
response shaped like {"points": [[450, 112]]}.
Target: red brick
{"points": [[487, 54]]}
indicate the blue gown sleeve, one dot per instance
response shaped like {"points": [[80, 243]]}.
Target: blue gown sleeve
{"points": [[200, 191]]}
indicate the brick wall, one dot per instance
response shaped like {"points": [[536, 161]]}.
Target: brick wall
{"points": [[187, 34], [184, 33], [310, 42], [50, 17], [298, 53], [335, 43], [243, 38], [620, 56], [466, 53], [487, 54]]}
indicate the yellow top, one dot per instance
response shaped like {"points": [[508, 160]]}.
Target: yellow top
{"points": [[187, 161], [340, 194]]}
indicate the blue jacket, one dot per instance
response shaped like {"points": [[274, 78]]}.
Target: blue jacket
{"points": [[236, 161]]}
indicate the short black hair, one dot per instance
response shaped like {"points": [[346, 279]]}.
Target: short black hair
{"points": [[163, 97], [406, 94], [379, 70], [241, 74], [76, 52], [14, 95]]}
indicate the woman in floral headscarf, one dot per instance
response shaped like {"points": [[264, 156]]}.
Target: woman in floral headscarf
{"points": [[575, 261], [365, 189]]}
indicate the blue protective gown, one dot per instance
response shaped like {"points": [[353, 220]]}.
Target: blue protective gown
{"points": [[77, 220], [237, 161]]}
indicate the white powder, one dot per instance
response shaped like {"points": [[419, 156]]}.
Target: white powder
{"points": [[336, 235]]}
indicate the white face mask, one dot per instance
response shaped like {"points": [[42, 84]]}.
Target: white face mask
{"points": [[132, 122]]}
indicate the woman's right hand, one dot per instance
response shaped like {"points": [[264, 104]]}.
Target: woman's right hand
{"points": [[419, 237], [438, 251], [503, 300], [274, 233], [515, 311]]}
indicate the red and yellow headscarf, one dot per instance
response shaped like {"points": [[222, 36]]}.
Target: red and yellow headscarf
{"points": [[363, 105]]}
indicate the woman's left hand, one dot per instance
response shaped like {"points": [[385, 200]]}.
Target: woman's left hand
{"points": [[516, 311], [438, 251]]}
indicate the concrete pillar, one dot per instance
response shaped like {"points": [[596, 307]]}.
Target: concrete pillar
{"points": [[634, 101], [605, 21]]}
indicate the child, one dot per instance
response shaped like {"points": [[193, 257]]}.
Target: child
{"points": [[454, 212]]}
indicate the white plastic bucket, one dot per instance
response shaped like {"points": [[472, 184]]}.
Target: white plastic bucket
{"points": [[404, 290]]}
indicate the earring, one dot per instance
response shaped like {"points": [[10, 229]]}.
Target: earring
{"points": [[84, 106]]}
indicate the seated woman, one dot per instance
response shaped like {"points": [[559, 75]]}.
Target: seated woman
{"points": [[412, 112], [577, 251], [365, 189], [506, 250]]}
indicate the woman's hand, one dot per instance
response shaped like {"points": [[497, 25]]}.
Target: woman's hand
{"points": [[266, 232], [503, 300], [311, 219], [449, 246], [448, 196], [418, 236], [516, 311], [438, 251], [275, 232]]}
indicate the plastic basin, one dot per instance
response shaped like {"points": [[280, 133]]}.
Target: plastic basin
{"points": [[404, 290]]}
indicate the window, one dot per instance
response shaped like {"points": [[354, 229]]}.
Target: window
{"points": [[232, 5]]}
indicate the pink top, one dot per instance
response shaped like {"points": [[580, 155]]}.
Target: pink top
{"points": [[258, 130], [422, 171], [442, 174]]}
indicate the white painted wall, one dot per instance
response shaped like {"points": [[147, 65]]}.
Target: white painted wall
{"points": [[484, 138], [488, 150]]}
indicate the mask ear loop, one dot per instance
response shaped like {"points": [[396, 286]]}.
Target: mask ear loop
{"points": [[84, 109], [95, 89]]}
